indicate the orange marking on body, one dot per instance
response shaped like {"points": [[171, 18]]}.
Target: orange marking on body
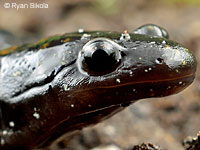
{"points": [[8, 50], [66, 40], [42, 40], [44, 45]]}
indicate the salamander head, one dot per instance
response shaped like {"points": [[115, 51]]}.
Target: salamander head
{"points": [[69, 84], [140, 67]]}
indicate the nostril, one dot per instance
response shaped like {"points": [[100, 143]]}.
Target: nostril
{"points": [[159, 61]]}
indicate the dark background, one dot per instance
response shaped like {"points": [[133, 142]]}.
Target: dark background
{"points": [[166, 121]]}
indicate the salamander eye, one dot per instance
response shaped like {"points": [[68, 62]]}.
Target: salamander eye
{"points": [[100, 54]]}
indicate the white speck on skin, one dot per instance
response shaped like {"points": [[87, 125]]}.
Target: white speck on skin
{"points": [[65, 87], [167, 47], [35, 109], [131, 73], [63, 62], [2, 141], [118, 80], [153, 42], [80, 30], [11, 124], [95, 48], [184, 62], [178, 53], [164, 42], [169, 87], [72, 105], [85, 36], [36, 115], [5, 132], [17, 73]]}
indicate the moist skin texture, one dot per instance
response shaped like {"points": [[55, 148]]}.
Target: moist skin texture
{"points": [[47, 90]]}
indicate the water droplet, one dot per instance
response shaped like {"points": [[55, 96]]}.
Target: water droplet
{"points": [[125, 36]]}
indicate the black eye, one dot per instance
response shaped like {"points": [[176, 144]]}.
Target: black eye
{"points": [[100, 55]]}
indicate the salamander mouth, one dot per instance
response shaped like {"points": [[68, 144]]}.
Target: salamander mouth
{"points": [[124, 94], [180, 79], [119, 102], [184, 80]]}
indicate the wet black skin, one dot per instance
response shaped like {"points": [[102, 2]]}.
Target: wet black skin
{"points": [[60, 84]]}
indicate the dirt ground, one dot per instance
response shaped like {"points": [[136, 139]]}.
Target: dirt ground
{"points": [[163, 121]]}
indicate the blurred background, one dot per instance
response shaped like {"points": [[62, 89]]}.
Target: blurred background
{"points": [[166, 121]]}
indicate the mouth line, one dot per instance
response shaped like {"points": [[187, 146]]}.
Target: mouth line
{"points": [[148, 81], [137, 82], [132, 83]]}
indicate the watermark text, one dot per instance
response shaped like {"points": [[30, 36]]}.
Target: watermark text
{"points": [[28, 5]]}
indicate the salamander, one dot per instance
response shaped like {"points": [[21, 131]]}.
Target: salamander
{"points": [[66, 82]]}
